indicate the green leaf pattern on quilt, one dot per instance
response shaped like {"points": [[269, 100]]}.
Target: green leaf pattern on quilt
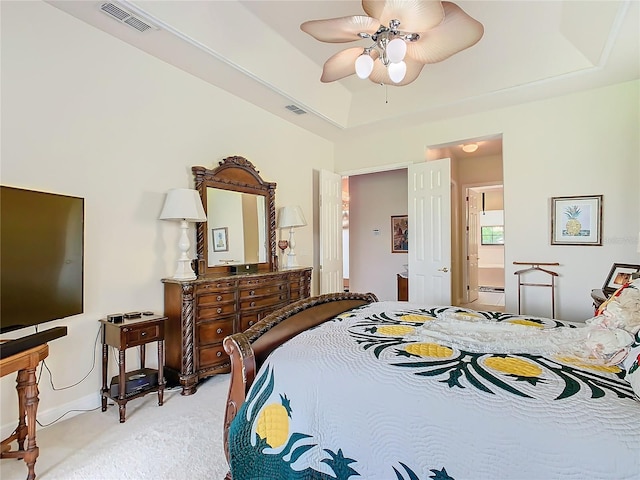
{"points": [[257, 460], [483, 371]]}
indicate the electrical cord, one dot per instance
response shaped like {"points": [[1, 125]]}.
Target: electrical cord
{"points": [[45, 366]]}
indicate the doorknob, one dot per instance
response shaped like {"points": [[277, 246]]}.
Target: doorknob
{"points": [[443, 269]]}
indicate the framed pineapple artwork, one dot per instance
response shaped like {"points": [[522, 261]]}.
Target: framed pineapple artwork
{"points": [[576, 220]]}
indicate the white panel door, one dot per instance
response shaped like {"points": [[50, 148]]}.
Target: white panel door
{"points": [[330, 232], [473, 224], [430, 232]]}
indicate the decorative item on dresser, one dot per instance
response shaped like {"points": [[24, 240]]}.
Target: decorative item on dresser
{"points": [[235, 287], [184, 205], [291, 217]]}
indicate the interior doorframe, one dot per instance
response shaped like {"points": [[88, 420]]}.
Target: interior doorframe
{"points": [[465, 249]]}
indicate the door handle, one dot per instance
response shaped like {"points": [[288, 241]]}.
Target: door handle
{"points": [[443, 269]]}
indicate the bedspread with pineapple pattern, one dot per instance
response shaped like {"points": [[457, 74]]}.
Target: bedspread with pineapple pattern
{"points": [[361, 396]]}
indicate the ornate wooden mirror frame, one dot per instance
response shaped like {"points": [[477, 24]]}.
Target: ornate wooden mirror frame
{"points": [[236, 174]]}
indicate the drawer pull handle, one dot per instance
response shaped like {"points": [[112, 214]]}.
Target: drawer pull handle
{"points": [[219, 330], [219, 354], [252, 293], [251, 322], [253, 304], [219, 310], [143, 333], [219, 297]]}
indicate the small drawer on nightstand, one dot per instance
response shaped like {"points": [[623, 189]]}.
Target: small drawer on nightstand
{"points": [[139, 335]]}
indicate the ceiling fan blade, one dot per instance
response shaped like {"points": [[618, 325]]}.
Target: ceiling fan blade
{"points": [[414, 15], [342, 64], [379, 74], [457, 32], [340, 30]]}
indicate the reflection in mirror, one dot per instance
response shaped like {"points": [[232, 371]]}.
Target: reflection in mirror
{"points": [[237, 228]]}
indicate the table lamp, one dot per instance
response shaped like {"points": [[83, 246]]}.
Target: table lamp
{"points": [[291, 217], [184, 205]]}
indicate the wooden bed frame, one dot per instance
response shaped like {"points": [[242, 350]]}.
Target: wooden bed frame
{"points": [[248, 350]]}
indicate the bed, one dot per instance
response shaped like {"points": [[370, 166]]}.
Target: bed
{"points": [[342, 386]]}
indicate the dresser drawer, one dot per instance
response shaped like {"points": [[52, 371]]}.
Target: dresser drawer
{"points": [[251, 318], [215, 311], [214, 298], [138, 335], [269, 290], [250, 303], [222, 285], [212, 355], [214, 331]]}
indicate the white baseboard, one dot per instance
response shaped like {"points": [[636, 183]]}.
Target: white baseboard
{"points": [[45, 417]]}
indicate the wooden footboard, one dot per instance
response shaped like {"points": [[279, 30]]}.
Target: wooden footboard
{"points": [[248, 350]]}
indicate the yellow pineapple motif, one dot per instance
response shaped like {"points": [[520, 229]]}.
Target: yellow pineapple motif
{"points": [[513, 366], [526, 323], [578, 362], [414, 318], [573, 225], [273, 422], [429, 350], [395, 330]]}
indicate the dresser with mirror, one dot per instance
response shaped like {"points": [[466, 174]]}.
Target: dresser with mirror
{"points": [[238, 281]]}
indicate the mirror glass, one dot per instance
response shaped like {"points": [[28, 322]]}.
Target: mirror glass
{"points": [[237, 228]]}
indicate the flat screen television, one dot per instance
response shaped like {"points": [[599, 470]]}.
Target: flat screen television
{"points": [[41, 257]]}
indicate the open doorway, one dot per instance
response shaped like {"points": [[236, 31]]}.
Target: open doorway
{"points": [[370, 199], [476, 172], [345, 233], [484, 269]]}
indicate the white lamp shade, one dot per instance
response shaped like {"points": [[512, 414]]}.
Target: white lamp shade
{"points": [[397, 71], [364, 66], [183, 204], [289, 217], [396, 50]]}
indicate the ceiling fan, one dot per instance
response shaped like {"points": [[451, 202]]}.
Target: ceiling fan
{"points": [[418, 32]]}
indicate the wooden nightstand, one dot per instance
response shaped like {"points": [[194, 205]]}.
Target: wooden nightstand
{"points": [[403, 288], [132, 333]]}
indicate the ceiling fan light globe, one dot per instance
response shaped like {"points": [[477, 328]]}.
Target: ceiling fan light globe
{"points": [[364, 66], [397, 71], [396, 50]]}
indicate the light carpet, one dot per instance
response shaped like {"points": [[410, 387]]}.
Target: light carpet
{"points": [[180, 439]]}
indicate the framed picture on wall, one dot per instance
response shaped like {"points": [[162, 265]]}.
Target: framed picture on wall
{"points": [[220, 239], [576, 220], [619, 274], [399, 234]]}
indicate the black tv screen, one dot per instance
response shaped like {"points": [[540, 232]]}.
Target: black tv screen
{"points": [[41, 257]]}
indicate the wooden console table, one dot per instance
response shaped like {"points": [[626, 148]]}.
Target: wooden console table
{"points": [[25, 364]]}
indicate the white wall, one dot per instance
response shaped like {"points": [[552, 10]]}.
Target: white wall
{"points": [[579, 144], [85, 114], [374, 198]]}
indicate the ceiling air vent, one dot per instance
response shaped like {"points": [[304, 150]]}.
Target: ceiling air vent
{"points": [[295, 109], [126, 17]]}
